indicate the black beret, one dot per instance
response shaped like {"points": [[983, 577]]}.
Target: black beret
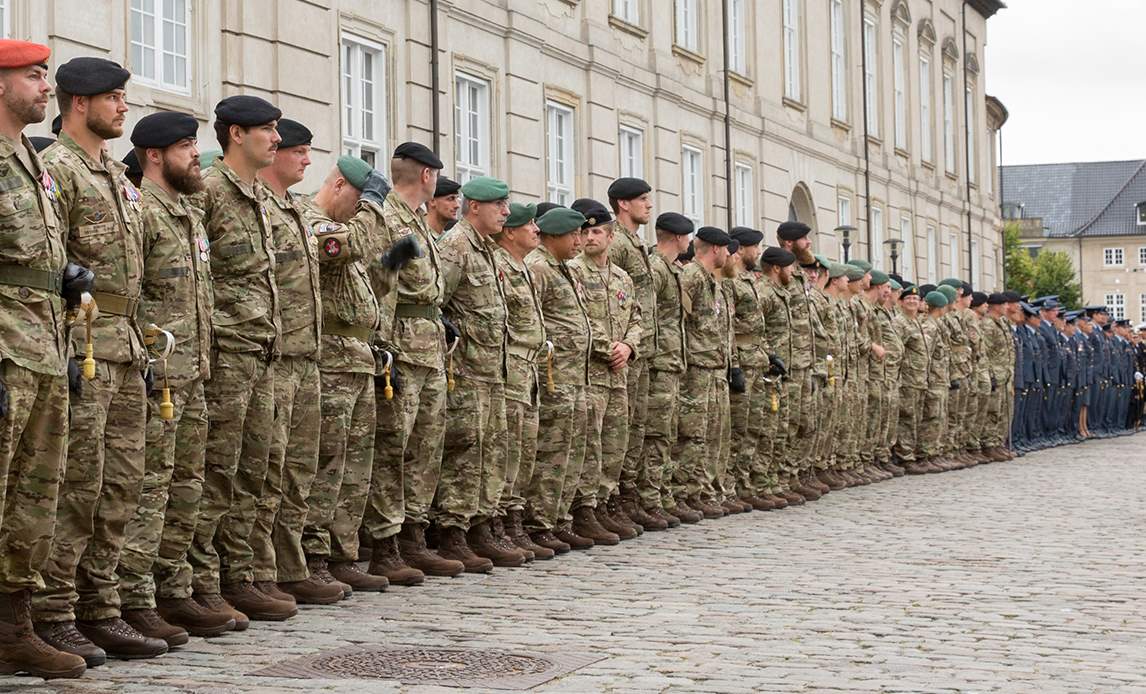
{"points": [[1108, 327], [87, 76], [163, 129], [895, 276], [733, 246], [792, 231], [675, 223], [448, 186], [595, 213], [1012, 297], [41, 143], [978, 298], [909, 290], [246, 111], [132, 163], [746, 236], [925, 289], [293, 133], [996, 299], [419, 153], [774, 255], [57, 124], [967, 289], [713, 235], [542, 207], [628, 188]]}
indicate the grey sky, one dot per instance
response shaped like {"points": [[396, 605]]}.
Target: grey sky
{"points": [[1071, 75]]}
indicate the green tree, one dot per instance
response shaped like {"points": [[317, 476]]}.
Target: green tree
{"points": [[1019, 266], [1054, 275]]}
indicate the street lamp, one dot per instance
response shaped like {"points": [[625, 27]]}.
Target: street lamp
{"points": [[894, 244], [845, 232]]}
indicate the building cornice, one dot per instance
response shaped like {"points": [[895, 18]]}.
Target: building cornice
{"points": [[987, 8]]}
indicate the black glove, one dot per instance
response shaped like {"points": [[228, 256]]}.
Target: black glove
{"points": [[955, 385], [75, 377], [403, 251], [77, 280], [376, 188], [452, 333], [3, 400], [994, 384], [148, 381], [736, 382], [776, 367], [395, 380]]}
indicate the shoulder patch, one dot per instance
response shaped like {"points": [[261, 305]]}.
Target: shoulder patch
{"points": [[332, 248]]}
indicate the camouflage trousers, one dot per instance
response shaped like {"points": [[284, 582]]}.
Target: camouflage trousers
{"points": [[766, 460], [33, 448], [997, 424], [890, 414], [606, 440], [240, 421], [153, 562], [875, 412], [698, 432], [827, 414], [857, 413], [907, 442], [276, 538], [562, 421], [933, 422], [408, 438], [654, 485], [797, 423], [633, 471], [746, 420], [341, 486], [474, 455], [716, 468], [99, 493], [956, 413], [977, 406], [521, 425]]}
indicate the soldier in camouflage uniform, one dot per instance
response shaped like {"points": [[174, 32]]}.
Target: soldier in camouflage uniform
{"points": [[829, 359], [961, 367], [33, 371], [913, 372], [934, 408], [892, 341], [525, 349], [176, 294], [855, 388], [616, 323], [100, 211], [815, 273], [561, 413], [999, 350], [775, 302], [476, 448], [979, 403], [442, 209], [878, 374], [840, 375]]}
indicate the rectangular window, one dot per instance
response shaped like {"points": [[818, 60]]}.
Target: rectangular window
{"points": [[949, 147], [5, 22], [1142, 255], [159, 41], [1142, 308], [692, 185], [972, 163], [471, 127], [876, 252], [632, 148], [364, 96], [792, 49], [738, 36], [1141, 214], [688, 24], [745, 196], [839, 62], [932, 254], [1116, 305], [844, 211], [627, 10], [976, 280], [955, 257], [871, 72], [991, 171], [1112, 257], [559, 123], [899, 83], [907, 252], [925, 124]]}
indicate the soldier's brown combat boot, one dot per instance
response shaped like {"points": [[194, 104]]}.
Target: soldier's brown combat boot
{"points": [[670, 520], [213, 602], [608, 522], [256, 604], [585, 524], [149, 623], [731, 507], [196, 619], [411, 545], [575, 541], [758, 503], [387, 561], [272, 590], [687, 515], [711, 510], [312, 591], [521, 539], [617, 512], [502, 538], [119, 640], [809, 493], [546, 539], [480, 539], [638, 515], [793, 498], [349, 573], [778, 502], [318, 568], [810, 480], [21, 650], [63, 636], [452, 545]]}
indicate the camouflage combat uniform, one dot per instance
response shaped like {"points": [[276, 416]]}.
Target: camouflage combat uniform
{"points": [[912, 386], [892, 366], [858, 390], [845, 370], [800, 387], [747, 409], [999, 350], [773, 468], [831, 344], [933, 420], [820, 309], [960, 373], [665, 354]]}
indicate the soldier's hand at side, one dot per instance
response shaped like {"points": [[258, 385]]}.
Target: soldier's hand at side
{"points": [[621, 354], [3, 400], [452, 333], [75, 378], [401, 253], [878, 350], [395, 379], [77, 280], [736, 381], [777, 367], [376, 188], [148, 381], [955, 385]]}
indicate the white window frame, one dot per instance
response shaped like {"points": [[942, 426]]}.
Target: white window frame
{"points": [[687, 30], [692, 184], [877, 234], [1142, 255], [899, 87], [154, 71], [972, 162], [950, 144], [628, 11], [353, 51], [839, 60], [907, 255], [745, 194], [926, 127], [791, 47], [976, 263], [843, 210], [1113, 257], [471, 126], [871, 71], [631, 151], [1140, 214], [738, 36], [1116, 305], [1142, 308], [561, 152], [956, 262], [932, 253]]}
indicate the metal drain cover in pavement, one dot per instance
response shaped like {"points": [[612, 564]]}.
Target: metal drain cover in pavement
{"points": [[448, 667]]}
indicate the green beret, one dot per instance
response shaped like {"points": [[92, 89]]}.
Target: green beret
{"points": [[837, 270], [936, 299], [560, 221], [896, 286], [948, 291], [861, 264], [854, 273], [952, 282], [354, 170], [879, 277], [822, 260], [208, 158], [485, 189], [520, 215]]}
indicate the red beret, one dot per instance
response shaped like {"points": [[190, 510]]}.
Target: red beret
{"points": [[15, 53]]}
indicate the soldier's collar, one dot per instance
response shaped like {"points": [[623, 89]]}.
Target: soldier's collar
{"points": [[174, 207], [245, 188], [105, 165]]}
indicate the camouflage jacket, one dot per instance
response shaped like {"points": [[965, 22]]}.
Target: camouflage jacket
{"points": [[775, 303], [707, 319], [177, 293], [916, 352], [614, 316], [999, 348], [296, 275], [960, 344], [892, 343], [32, 332], [628, 252], [666, 350], [566, 321], [833, 334], [525, 334], [101, 208], [938, 374], [803, 330], [847, 360], [818, 305], [475, 303], [246, 317], [749, 338], [865, 328]]}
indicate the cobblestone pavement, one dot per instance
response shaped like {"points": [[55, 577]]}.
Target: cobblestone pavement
{"points": [[1025, 576]]}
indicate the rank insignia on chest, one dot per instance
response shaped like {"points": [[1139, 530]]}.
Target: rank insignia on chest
{"points": [[332, 248], [49, 185]]}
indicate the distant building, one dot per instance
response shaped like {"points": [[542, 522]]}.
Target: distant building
{"points": [[1096, 213]]}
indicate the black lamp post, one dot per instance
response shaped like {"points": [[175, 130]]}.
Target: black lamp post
{"points": [[894, 244], [845, 232]]}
